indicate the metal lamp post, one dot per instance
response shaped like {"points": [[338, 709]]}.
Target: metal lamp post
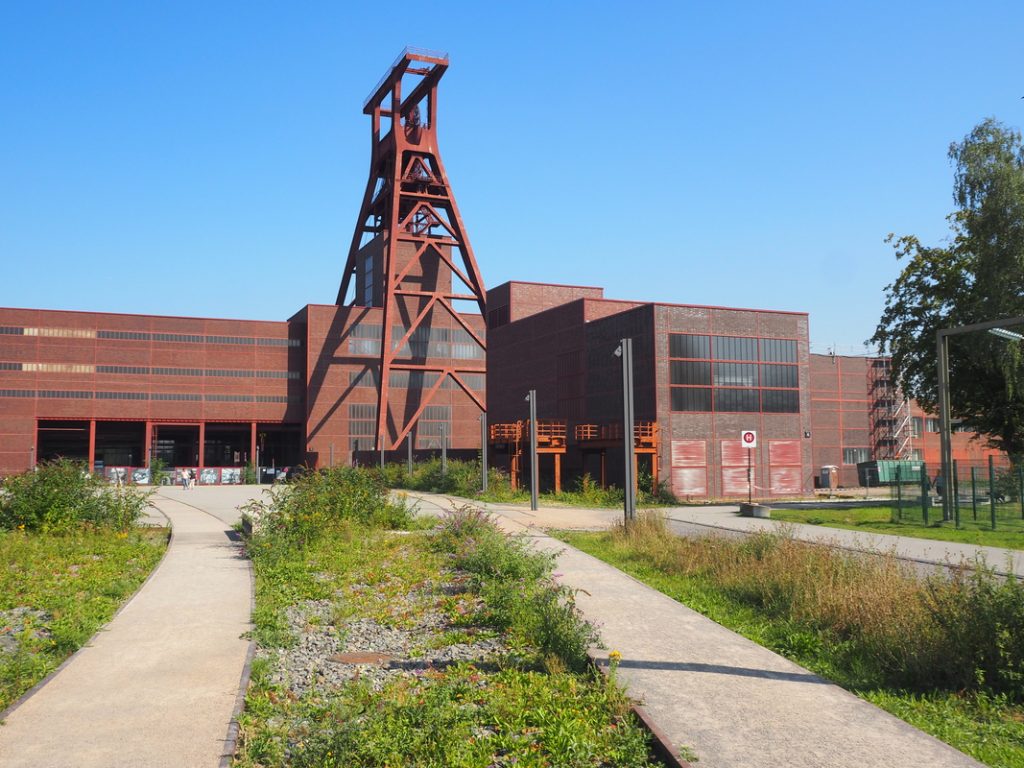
{"points": [[531, 398], [483, 453], [625, 351]]}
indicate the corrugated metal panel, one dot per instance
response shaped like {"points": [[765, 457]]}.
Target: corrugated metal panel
{"points": [[734, 481], [784, 452], [690, 481], [785, 480], [689, 453]]}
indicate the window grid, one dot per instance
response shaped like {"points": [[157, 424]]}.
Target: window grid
{"points": [[745, 374]]}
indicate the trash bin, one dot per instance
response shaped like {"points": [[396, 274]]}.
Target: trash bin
{"points": [[829, 477]]}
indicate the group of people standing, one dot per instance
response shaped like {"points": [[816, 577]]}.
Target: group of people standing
{"points": [[188, 479]]}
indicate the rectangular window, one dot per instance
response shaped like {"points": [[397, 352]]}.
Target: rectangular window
{"points": [[692, 399], [780, 401], [6, 330], [690, 373], [915, 426], [778, 351], [734, 348], [856, 455], [783, 376], [737, 400], [688, 346], [735, 375], [932, 425]]}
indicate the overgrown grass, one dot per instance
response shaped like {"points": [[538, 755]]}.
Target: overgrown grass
{"points": [[71, 584], [882, 520], [526, 706], [943, 654], [463, 478]]}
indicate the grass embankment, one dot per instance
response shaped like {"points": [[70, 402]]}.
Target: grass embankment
{"points": [[70, 554], [462, 478], [944, 654], [336, 563], [1009, 533]]}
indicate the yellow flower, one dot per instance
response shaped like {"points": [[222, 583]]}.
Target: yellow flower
{"points": [[615, 656]]}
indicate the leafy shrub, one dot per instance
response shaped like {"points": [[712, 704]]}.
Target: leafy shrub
{"points": [[517, 585], [61, 495], [462, 478], [981, 618], [320, 502]]}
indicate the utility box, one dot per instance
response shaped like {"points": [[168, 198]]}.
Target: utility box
{"points": [[889, 472], [829, 477]]}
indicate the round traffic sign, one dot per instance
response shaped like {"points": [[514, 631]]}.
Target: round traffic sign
{"points": [[749, 438]]}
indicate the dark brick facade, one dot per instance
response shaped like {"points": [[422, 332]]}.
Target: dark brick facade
{"points": [[560, 340]]}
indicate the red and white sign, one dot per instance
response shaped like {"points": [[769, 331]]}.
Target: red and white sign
{"points": [[748, 438]]}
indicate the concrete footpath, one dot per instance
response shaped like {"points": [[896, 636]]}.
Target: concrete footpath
{"points": [[1004, 561], [158, 685], [732, 702]]}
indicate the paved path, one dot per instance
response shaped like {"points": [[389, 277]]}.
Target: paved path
{"points": [[733, 702], [157, 686], [1004, 561]]}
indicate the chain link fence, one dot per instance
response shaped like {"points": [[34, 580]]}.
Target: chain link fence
{"points": [[984, 495]]}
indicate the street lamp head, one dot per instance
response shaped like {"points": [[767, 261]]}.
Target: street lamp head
{"points": [[618, 351], [1002, 333]]}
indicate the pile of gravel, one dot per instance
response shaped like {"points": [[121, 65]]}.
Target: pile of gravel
{"points": [[14, 622], [328, 655]]}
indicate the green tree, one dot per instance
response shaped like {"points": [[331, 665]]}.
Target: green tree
{"points": [[977, 276]]}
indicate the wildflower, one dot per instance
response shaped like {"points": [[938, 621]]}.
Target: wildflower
{"points": [[615, 656]]}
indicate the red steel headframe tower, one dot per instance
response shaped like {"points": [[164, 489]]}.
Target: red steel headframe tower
{"points": [[410, 245]]}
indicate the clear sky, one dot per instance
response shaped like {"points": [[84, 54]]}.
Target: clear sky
{"points": [[208, 159]]}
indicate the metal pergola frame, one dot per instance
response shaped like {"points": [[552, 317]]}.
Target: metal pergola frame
{"points": [[942, 353]]}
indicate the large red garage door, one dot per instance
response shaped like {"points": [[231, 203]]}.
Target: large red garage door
{"points": [[689, 468]]}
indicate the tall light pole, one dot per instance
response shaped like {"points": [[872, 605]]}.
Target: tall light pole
{"points": [[531, 398], [996, 328], [483, 453], [625, 351]]}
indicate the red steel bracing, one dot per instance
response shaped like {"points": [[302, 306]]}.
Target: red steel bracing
{"points": [[408, 200]]}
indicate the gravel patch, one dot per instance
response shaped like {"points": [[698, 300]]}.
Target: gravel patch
{"points": [[14, 622], [316, 660]]}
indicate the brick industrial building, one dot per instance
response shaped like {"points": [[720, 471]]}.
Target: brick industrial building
{"points": [[403, 359]]}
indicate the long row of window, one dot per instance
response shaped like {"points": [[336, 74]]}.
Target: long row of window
{"points": [[146, 370], [70, 394], [183, 338], [416, 380], [733, 374], [434, 422], [453, 343]]}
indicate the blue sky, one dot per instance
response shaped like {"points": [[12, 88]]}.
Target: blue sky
{"points": [[209, 158]]}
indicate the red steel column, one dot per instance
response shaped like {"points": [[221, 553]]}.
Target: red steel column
{"points": [[252, 444], [147, 449], [202, 444], [92, 445]]}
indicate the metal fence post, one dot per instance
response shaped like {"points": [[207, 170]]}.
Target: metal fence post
{"points": [[923, 487], [1020, 489], [899, 493], [408, 460], [974, 491], [955, 488], [992, 490]]}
